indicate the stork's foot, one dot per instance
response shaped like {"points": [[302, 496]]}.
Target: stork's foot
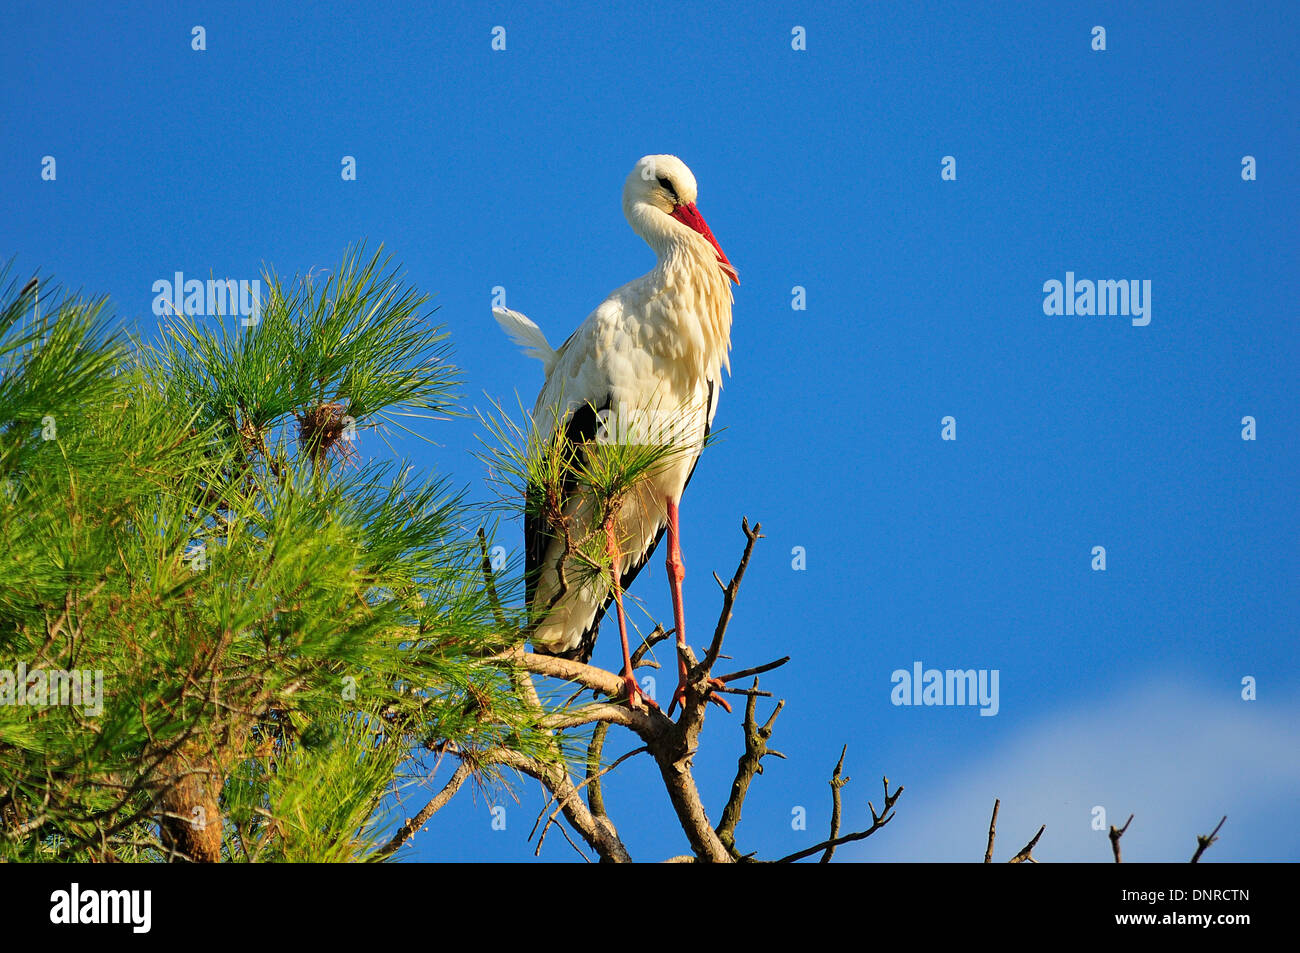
{"points": [[679, 696], [637, 699]]}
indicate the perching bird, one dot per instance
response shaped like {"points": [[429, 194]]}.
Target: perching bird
{"points": [[653, 350]]}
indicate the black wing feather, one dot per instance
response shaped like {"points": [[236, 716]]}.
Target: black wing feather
{"points": [[579, 429]]}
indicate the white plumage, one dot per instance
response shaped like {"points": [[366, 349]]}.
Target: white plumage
{"points": [[653, 350], [527, 335]]}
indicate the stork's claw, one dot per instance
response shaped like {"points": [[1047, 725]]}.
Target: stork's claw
{"points": [[636, 698], [679, 696]]}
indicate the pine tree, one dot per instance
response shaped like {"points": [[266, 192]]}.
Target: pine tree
{"points": [[279, 629]]}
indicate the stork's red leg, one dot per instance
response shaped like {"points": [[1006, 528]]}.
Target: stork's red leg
{"points": [[676, 573], [636, 698]]}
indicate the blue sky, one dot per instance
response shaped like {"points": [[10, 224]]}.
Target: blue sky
{"points": [[818, 168]]}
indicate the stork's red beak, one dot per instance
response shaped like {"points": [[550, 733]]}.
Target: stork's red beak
{"points": [[690, 216]]}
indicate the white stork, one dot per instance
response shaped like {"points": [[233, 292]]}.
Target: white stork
{"points": [[655, 346]]}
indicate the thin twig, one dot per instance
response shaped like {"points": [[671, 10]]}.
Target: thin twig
{"points": [[550, 820], [1202, 842], [1026, 854], [1115, 834], [729, 592], [404, 833], [756, 670], [649, 642], [993, 826], [599, 833], [877, 822], [837, 782], [585, 858]]}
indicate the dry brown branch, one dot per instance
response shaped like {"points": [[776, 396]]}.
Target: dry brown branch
{"points": [[673, 751], [1026, 854], [993, 827], [597, 832], [588, 780], [1115, 834], [404, 833], [647, 643], [756, 670], [877, 822], [1203, 842], [748, 765], [729, 592], [607, 683], [837, 782], [699, 683], [614, 713], [576, 848], [671, 744]]}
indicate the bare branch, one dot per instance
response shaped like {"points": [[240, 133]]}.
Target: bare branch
{"points": [[756, 670], [748, 765], [404, 833], [729, 592], [618, 714], [837, 782], [1203, 842], [599, 833], [672, 744], [647, 643], [877, 822], [699, 685], [646, 723], [993, 826], [1115, 834], [589, 780], [673, 754], [571, 844], [1026, 854]]}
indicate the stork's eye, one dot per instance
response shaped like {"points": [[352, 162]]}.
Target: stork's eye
{"points": [[667, 187]]}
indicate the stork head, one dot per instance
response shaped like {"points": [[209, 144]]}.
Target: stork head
{"points": [[659, 202]]}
